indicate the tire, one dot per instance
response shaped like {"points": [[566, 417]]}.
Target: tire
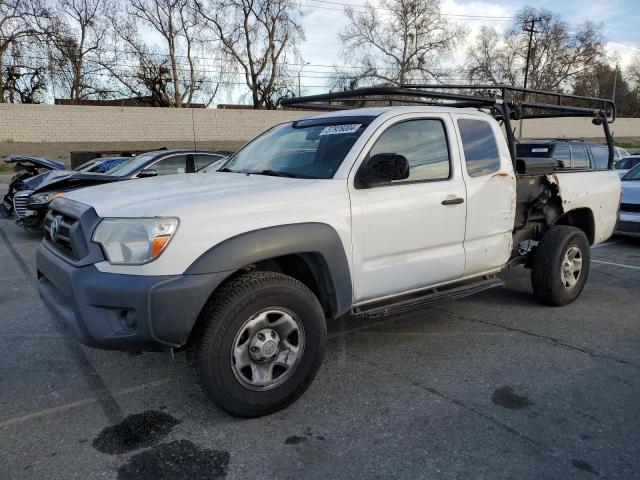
{"points": [[237, 326], [554, 271], [4, 212]]}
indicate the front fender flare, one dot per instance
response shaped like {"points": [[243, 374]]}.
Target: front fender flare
{"points": [[272, 242]]}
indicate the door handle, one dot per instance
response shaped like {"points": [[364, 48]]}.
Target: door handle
{"points": [[452, 201]]}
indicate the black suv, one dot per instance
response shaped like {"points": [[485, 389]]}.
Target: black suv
{"points": [[569, 154]]}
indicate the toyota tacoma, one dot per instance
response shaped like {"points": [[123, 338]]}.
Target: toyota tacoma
{"points": [[365, 212]]}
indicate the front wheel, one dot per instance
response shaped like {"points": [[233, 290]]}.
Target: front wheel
{"points": [[259, 343], [560, 265]]}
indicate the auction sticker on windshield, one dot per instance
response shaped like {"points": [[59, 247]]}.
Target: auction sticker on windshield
{"points": [[338, 129]]}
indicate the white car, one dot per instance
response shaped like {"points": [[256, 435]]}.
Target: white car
{"points": [[364, 212], [620, 153], [629, 221]]}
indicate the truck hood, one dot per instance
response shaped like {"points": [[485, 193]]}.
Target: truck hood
{"points": [[177, 194]]}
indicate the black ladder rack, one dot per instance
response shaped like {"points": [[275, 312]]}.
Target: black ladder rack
{"points": [[504, 103]]}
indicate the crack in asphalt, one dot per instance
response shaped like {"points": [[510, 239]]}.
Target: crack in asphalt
{"points": [[105, 399], [546, 337], [485, 416]]}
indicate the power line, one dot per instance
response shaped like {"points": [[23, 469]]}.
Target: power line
{"points": [[461, 16]]}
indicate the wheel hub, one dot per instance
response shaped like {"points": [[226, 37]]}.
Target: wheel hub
{"points": [[264, 345], [571, 267]]}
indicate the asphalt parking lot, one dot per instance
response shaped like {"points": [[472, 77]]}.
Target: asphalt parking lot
{"points": [[494, 386]]}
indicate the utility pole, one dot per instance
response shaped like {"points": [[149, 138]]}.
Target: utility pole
{"points": [[615, 81], [299, 74], [531, 29]]}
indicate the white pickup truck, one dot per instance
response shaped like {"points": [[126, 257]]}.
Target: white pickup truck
{"points": [[364, 212]]}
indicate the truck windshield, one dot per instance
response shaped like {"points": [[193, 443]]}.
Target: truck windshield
{"points": [[312, 148]]}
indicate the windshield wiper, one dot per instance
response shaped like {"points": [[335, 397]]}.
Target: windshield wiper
{"points": [[225, 169], [276, 173]]}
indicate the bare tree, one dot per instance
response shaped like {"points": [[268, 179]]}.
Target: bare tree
{"points": [[399, 42], [258, 37], [557, 56], [19, 23], [23, 78], [177, 22], [78, 38]]}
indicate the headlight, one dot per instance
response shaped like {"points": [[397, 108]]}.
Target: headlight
{"points": [[43, 198], [134, 240]]}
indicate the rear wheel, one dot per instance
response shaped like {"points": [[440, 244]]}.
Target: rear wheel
{"points": [[560, 265], [259, 343]]}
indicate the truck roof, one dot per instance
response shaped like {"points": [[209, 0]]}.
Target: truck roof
{"points": [[395, 110]]}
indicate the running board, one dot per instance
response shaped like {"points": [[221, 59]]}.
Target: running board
{"points": [[432, 296]]}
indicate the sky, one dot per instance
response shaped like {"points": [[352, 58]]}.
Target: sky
{"points": [[322, 20]]}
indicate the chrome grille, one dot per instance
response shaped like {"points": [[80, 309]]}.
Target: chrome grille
{"points": [[20, 203], [58, 229]]}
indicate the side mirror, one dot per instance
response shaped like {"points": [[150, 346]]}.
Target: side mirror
{"points": [[384, 168], [147, 172]]}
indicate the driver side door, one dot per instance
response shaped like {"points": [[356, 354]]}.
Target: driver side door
{"points": [[408, 234]]}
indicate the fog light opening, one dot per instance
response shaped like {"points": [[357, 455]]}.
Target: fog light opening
{"points": [[128, 319]]}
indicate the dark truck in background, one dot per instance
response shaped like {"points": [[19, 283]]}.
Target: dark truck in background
{"points": [[569, 154]]}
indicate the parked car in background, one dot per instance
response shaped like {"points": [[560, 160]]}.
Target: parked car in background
{"points": [[569, 154], [620, 153], [101, 165], [626, 164], [31, 205], [26, 168], [629, 222]]}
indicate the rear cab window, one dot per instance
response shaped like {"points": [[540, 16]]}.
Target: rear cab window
{"points": [[479, 145]]}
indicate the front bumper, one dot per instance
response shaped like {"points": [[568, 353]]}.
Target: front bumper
{"points": [[32, 217], [628, 224], [122, 312]]}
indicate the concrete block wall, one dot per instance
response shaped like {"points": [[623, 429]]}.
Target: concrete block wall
{"points": [[117, 125], [68, 124]]}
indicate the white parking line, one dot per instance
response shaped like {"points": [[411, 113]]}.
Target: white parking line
{"points": [[616, 264], [80, 403], [608, 244]]}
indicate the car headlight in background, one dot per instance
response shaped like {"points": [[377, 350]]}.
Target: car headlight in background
{"points": [[43, 198], [132, 241]]}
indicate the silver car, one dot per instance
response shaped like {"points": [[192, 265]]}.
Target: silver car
{"points": [[629, 222]]}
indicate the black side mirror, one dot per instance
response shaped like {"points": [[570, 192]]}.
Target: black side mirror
{"points": [[147, 172], [384, 168]]}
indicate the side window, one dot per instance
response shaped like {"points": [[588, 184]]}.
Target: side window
{"points": [[480, 147], [203, 160], [562, 156], [423, 143], [600, 156], [579, 157], [171, 165]]}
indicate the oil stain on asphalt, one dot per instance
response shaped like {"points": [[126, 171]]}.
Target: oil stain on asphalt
{"points": [[136, 431], [507, 398], [584, 466], [294, 439], [177, 460]]}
